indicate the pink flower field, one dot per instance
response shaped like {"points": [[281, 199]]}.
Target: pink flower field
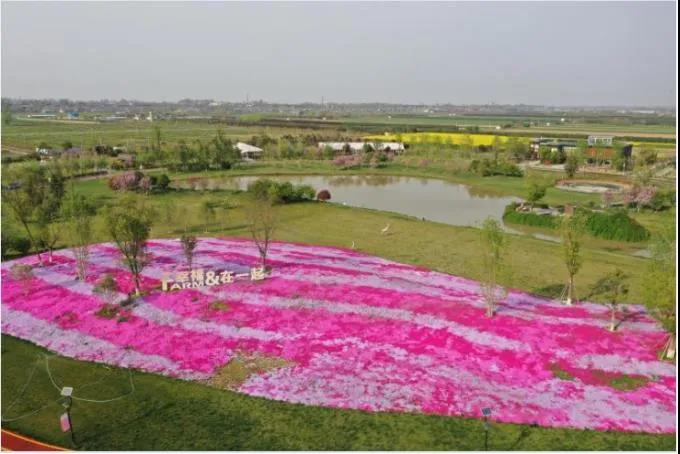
{"points": [[359, 332]]}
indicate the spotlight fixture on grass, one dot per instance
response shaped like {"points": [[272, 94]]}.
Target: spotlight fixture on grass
{"points": [[486, 412]]}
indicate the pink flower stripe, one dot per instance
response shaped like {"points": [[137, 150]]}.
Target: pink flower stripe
{"points": [[359, 332]]}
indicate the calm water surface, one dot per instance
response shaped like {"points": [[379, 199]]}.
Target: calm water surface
{"points": [[431, 199], [434, 200]]}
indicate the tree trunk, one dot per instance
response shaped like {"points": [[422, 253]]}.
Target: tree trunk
{"points": [[570, 291], [137, 284], [612, 323]]}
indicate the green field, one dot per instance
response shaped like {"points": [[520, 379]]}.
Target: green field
{"points": [[166, 414], [132, 134], [621, 126], [170, 414]]}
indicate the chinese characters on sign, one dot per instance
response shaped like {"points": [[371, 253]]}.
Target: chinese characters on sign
{"points": [[201, 278]]}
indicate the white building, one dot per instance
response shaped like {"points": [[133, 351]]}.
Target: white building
{"points": [[248, 151], [357, 147]]}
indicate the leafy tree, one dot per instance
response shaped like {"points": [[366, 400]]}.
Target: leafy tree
{"points": [[493, 245], [612, 288], [573, 228], [262, 220], [572, 164], [79, 211], [535, 191], [6, 113], [66, 145], [659, 287], [188, 246], [129, 224], [646, 157], [163, 183], [518, 150], [35, 198]]}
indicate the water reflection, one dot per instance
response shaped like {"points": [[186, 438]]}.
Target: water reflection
{"points": [[424, 198]]}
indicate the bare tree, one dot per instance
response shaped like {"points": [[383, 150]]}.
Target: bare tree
{"points": [[612, 287], [572, 229], [493, 246], [188, 247], [262, 219], [79, 212]]}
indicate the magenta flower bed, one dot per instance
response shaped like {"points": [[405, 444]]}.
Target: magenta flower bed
{"points": [[359, 332]]}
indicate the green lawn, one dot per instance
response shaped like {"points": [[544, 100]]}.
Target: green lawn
{"points": [[173, 415], [167, 414]]}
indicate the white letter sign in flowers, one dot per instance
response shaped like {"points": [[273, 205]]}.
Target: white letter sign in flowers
{"points": [[201, 278]]}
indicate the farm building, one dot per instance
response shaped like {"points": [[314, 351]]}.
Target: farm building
{"points": [[600, 141], [249, 151], [357, 147], [552, 145]]}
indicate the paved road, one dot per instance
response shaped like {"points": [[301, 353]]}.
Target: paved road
{"points": [[14, 442]]}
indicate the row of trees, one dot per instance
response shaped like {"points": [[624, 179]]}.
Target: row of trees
{"points": [[38, 199], [659, 290]]}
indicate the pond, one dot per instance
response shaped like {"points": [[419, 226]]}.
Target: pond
{"points": [[431, 199], [590, 187]]}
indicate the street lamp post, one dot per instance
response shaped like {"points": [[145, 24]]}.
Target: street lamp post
{"points": [[486, 412], [68, 401]]}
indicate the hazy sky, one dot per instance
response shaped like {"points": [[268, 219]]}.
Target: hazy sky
{"points": [[534, 53]]}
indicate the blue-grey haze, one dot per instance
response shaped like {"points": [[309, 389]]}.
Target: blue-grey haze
{"points": [[463, 53]]}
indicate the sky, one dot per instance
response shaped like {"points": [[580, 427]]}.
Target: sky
{"points": [[548, 53]]}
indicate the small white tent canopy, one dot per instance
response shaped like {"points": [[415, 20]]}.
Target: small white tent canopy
{"points": [[249, 151]]}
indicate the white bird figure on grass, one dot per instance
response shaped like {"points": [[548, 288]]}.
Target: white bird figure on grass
{"points": [[384, 231], [353, 247]]}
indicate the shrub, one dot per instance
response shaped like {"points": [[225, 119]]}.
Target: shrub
{"points": [[615, 225], [323, 195], [286, 192], [128, 181], [487, 167], [13, 242], [513, 216], [163, 183]]}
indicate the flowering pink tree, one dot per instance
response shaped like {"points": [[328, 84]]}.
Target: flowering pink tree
{"points": [[128, 181], [644, 196]]}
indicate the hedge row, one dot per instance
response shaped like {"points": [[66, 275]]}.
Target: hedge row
{"points": [[612, 225]]}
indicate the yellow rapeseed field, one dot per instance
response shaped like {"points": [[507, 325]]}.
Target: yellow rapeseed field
{"points": [[455, 138]]}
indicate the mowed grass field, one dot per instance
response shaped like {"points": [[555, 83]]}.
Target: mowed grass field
{"points": [[166, 414]]}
